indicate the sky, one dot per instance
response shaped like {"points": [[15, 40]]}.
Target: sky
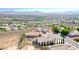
{"points": [[39, 9], [39, 5]]}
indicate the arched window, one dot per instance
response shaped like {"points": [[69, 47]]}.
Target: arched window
{"points": [[51, 42], [39, 43], [44, 43], [61, 41], [36, 41], [57, 41], [47, 42]]}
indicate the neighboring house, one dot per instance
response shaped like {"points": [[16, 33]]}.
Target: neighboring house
{"points": [[44, 29], [74, 34], [13, 27], [6, 28], [33, 34], [38, 32]]}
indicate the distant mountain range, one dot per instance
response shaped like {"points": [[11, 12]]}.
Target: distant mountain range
{"points": [[38, 12]]}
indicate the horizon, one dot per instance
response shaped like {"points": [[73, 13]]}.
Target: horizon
{"points": [[39, 9]]}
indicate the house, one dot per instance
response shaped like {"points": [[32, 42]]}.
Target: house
{"points": [[48, 39], [6, 28], [74, 34], [13, 27], [44, 29], [33, 34]]}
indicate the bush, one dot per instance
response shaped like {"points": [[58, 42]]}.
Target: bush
{"points": [[77, 40], [23, 42], [2, 30], [78, 28]]}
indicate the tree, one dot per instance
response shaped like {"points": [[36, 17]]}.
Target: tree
{"points": [[55, 29], [64, 32], [65, 27], [2, 29]]}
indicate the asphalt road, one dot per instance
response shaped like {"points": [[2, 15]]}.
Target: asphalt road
{"points": [[72, 43]]}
